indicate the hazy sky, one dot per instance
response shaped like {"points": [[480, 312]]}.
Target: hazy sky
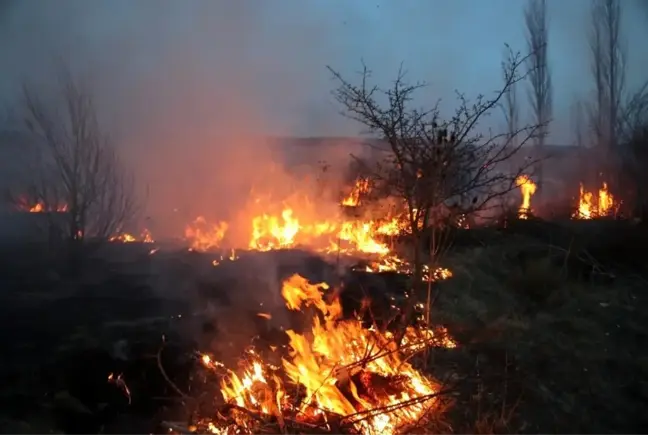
{"points": [[273, 53], [176, 75]]}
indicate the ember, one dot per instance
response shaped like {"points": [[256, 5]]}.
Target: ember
{"points": [[144, 237], [339, 376], [39, 207]]}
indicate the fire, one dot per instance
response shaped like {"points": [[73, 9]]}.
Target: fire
{"points": [[528, 189], [145, 237], [362, 236], [39, 207], [297, 223], [360, 188], [203, 236], [270, 232], [337, 371], [231, 257], [588, 209]]}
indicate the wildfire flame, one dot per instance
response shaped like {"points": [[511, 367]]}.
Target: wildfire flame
{"points": [[39, 207], [287, 229], [527, 189], [271, 232], [145, 237], [338, 369], [203, 236], [360, 188], [589, 209]]}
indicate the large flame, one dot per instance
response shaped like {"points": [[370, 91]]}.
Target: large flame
{"points": [[589, 207], [294, 224], [527, 189], [338, 369], [203, 236]]}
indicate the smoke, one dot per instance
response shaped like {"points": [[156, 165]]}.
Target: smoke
{"points": [[189, 91]]}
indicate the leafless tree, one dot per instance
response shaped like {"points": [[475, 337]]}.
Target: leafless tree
{"points": [[510, 105], [580, 137], [578, 121], [540, 92], [437, 169], [77, 165], [608, 70]]}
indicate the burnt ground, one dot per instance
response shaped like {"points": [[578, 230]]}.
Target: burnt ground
{"points": [[549, 319]]}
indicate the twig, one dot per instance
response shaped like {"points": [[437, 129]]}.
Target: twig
{"points": [[166, 377]]}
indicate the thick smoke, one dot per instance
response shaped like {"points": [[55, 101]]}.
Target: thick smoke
{"points": [[190, 91]]}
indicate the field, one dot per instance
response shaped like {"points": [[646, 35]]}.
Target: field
{"points": [[548, 318]]}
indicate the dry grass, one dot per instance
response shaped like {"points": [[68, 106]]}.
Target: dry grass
{"points": [[542, 351], [542, 348]]}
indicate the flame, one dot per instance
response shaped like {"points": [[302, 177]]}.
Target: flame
{"points": [[145, 237], [528, 189], [270, 232], [588, 209], [289, 226], [231, 257], [203, 236], [360, 188], [23, 204], [337, 368]]}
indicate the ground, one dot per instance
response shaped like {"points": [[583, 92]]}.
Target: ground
{"points": [[551, 330]]}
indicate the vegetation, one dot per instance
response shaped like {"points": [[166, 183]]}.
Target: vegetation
{"points": [[548, 317], [77, 166]]}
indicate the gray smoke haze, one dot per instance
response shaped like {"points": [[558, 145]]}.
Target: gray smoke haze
{"points": [[190, 88]]}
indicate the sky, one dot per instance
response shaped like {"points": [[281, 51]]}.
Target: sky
{"points": [[175, 77], [275, 52]]}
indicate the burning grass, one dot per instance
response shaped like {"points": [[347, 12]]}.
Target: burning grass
{"points": [[538, 350], [338, 376]]}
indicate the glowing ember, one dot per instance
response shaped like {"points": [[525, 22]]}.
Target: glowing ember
{"points": [[39, 207], [528, 189], [588, 208], [145, 237], [337, 371], [392, 263], [231, 257]]}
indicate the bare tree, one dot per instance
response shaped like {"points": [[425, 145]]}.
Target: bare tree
{"points": [[540, 92], [608, 70], [578, 121], [437, 169], [510, 105], [77, 164]]}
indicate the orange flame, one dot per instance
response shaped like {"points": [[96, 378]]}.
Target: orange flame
{"points": [[145, 237], [288, 229], [360, 188], [203, 236], [528, 189], [588, 209], [39, 207], [343, 368]]}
